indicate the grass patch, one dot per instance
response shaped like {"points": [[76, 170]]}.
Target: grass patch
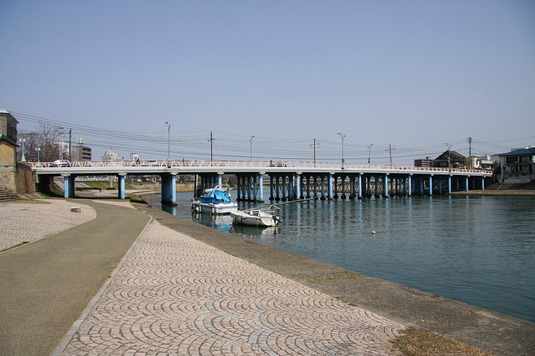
{"points": [[106, 185], [17, 245], [330, 278], [422, 343]]}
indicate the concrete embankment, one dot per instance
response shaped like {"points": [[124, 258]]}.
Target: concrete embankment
{"points": [[498, 192], [494, 332]]}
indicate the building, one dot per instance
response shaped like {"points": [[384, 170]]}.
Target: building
{"points": [[110, 156], [81, 153], [426, 162], [8, 139], [484, 162], [518, 166], [450, 159], [14, 177], [8, 151]]}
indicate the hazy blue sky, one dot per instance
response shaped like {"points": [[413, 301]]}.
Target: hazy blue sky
{"points": [[411, 74]]}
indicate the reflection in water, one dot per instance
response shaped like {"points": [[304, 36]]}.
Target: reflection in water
{"points": [[480, 250]]}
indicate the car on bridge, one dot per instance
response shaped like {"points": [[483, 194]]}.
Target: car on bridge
{"points": [[60, 163]]}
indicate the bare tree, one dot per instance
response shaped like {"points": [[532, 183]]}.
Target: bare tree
{"points": [[47, 140]]}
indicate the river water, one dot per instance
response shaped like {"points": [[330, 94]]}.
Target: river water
{"points": [[476, 249]]}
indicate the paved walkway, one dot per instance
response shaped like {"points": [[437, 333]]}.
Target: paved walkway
{"points": [[177, 296], [28, 222], [45, 285]]}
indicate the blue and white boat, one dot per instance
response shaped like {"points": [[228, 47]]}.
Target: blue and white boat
{"points": [[214, 201]]}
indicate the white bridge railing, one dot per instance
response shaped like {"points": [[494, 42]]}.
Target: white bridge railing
{"points": [[253, 164]]}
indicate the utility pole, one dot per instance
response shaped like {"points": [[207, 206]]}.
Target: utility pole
{"points": [[390, 152], [251, 141], [168, 144], [449, 155], [211, 147], [314, 147], [70, 144], [469, 152], [370, 152], [342, 136]]}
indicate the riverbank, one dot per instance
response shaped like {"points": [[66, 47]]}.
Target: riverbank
{"points": [[493, 332], [498, 192]]}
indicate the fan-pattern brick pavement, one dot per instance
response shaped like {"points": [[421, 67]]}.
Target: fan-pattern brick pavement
{"points": [[175, 295], [39, 220]]}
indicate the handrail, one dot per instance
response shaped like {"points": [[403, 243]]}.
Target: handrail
{"points": [[253, 164]]}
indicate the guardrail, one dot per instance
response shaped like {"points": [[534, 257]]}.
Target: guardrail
{"points": [[254, 164]]}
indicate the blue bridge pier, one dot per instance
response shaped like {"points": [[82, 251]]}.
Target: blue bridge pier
{"points": [[288, 181], [293, 186]]}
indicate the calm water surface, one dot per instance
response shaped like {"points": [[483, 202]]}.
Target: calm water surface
{"points": [[476, 249]]}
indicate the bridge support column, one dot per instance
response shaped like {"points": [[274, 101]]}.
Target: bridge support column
{"points": [[238, 188], [277, 188], [298, 193], [250, 188], [422, 189], [449, 184], [121, 185], [254, 189], [261, 187], [409, 186], [385, 184], [322, 183], [291, 191], [271, 197], [330, 187], [284, 189], [68, 185], [482, 183], [360, 186], [169, 189], [430, 185]]}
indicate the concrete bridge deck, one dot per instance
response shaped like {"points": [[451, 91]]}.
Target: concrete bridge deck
{"points": [[287, 180]]}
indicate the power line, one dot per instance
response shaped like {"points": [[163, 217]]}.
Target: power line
{"points": [[232, 146]]}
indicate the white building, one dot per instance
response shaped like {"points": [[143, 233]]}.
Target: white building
{"points": [[110, 156]]}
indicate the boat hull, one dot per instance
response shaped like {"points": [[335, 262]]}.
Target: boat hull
{"points": [[262, 219], [214, 209]]}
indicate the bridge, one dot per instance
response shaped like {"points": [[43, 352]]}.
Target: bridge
{"points": [[287, 180]]}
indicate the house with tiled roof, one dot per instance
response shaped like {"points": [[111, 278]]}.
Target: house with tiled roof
{"points": [[450, 159]]}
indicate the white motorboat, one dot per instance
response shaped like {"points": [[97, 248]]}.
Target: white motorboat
{"points": [[214, 201], [255, 217]]}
